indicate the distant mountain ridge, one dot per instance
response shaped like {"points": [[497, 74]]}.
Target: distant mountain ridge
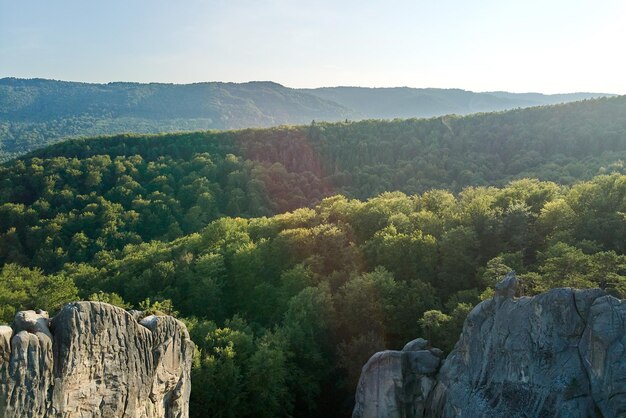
{"points": [[406, 102], [36, 112]]}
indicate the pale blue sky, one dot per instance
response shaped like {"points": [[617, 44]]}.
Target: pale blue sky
{"points": [[527, 45]]}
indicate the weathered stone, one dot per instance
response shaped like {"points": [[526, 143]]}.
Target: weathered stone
{"points": [[423, 361], [396, 384], [96, 360], [436, 351], [415, 345], [517, 358], [26, 377], [557, 354], [507, 287], [173, 353], [604, 354], [33, 322], [6, 333]]}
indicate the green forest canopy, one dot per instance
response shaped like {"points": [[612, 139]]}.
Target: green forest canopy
{"points": [[277, 304], [193, 224], [67, 202]]}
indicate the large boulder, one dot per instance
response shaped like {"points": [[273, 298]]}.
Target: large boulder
{"points": [[603, 350], [396, 384], [519, 358], [26, 366], [94, 360], [558, 354]]}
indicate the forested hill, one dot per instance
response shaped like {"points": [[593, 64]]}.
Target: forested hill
{"points": [[192, 224], [71, 200], [36, 112]]}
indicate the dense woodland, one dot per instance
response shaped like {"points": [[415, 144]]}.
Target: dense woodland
{"points": [[37, 112], [295, 253]]}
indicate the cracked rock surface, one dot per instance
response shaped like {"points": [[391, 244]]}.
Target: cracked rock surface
{"points": [[396, 384], [94, 360], [558, 354]]}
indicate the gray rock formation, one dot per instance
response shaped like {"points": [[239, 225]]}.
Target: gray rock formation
{"points": [[94, 360], [396, 384], [558, 354], [602, 348]]}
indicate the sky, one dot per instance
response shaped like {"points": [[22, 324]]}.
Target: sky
{"points": [[548, 46]]}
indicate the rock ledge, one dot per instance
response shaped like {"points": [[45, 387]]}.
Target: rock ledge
{"points": [[560, 353], [94, 360]]}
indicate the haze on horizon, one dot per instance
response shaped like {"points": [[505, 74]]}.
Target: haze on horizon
{"points": [[548, 47]]}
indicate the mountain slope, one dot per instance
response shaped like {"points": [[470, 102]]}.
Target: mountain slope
{"points": [[34, 113], [404, 102]]}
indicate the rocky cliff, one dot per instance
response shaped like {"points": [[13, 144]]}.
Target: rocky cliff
{"points": [[558, 354], [94, 360]]}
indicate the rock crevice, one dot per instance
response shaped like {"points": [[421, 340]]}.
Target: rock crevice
{"points": [[94, 360]]}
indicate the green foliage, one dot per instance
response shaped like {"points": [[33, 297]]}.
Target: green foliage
{"points": [[285, 308], [110, 298], [432, 322], [73, 200], [238, 374], [22, 288], [309, 295], [163, 307], [566, 266]]}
